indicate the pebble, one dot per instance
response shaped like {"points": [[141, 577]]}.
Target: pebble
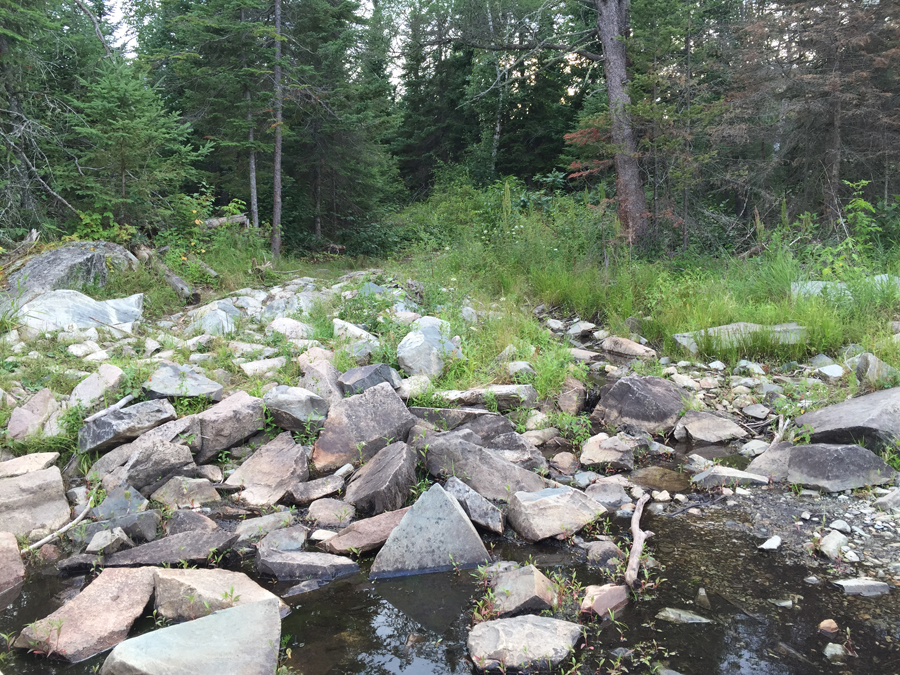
{"points": [[770, 544], [660, 496], [812, 579], [702, 599], [829, 627], [840, 526], [835, 652], [636, 493]]}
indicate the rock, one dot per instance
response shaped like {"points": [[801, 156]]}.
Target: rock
{"points": [[603, 451], [73, 265], [522, 643], [550, 512], [737, 334], [357, 380], [874, 373], [427, 348], [523, 590], [506, 396], [888, 502], [186, 548], [649, 403], [145, 465], [321, 378], [365, 535], [831, 373], [360, 426], [33, 504], [240, 640], [331, 512], [863, 586], [571, 398], [770, 544], [773, 462], [482, 470], [754, 448], [19, 466], [835, 653], [518, 450], [413, 387], [290, 328], [109, 541], [270, 471], [172, 380], [488, 428], [626, 348], [305, 493], [94, 620], [28, 419], [56, 310], [228, 423], [834, 468], [604, 601], [12, 570], [680, 616], [840, 526], [873, 419], [707, 429], [189, 521], [480, 510], [185, 493], [215, 318], [294, 408], [94, 389], [184, 595], [384, 482], [608, 494], [831, 544], [435, 535], [264, 367], [126, 424], [520, 370], [121, 501], [284, 565], [828, 627], [723, 475]]}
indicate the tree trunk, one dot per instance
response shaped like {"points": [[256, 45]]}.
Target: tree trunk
{"points": [[833, 165], [254, 195], [317, 198], [685, 198], [612, 23], [279, 104]]}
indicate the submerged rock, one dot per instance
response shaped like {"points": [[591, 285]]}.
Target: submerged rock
{"points": [[525, 642]]}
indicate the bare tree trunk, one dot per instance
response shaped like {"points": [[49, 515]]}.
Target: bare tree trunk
{"points": [[686, 189], [655, 156], [279, 104], [612, 24], [254, 195], [317, 198], [833, 165]]}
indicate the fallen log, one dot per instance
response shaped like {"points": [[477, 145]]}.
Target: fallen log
{"points": [[239, 219], [637, 546], [203, 266], [146, 255]]}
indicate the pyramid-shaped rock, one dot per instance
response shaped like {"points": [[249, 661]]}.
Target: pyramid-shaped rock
{"points": [[434, 536]]}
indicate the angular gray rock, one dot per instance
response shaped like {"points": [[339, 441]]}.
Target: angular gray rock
{"points": [[523, 590], [873, 419], [144, 465], [26, 420], [94, 620], [331, 513], [12, 569], [427, 348], [518, 450], [304, 493], [285, 565], [737, 334], [357, 380], [649, 403], [215, 318], [506, 396], [295, 408], [283, 539], [772, 463], [185, 493], [480, 510], [863, 586], [872, 372], [610, 495], [185, 595], [726, 476], [364, 535], [228, 423], [613, 453], [522, 643], [290, 328], [171, 380], [435, 535], [189, 521], [121, 501], [126, 424], [93, 390], [270, 471], [703, 428], [360, 426], [109, 541], [19, 466], [321, 378], [33, 504], [484, 471], [834, 468], [57, 310], [383, 483], [888, 502], [550, 512], [571, 398], [187, 548], [487, 427], [240, 640], [139, 527]]}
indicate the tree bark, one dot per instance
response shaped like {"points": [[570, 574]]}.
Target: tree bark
{"points": [[612, 24], [833, 163], [279, 104], [685, 198]]}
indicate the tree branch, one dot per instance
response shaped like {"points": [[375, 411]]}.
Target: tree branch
{"points": [[94, 21]]}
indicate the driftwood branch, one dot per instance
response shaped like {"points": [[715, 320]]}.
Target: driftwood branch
{"points": [[179, 285], [97, 30], [66, 528], [637, 546], [202, 265], [239, 219], [115, 406]]}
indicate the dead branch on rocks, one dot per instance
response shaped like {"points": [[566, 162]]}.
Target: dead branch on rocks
{"points": [[239, 219], [66, 528], [637, 546], [146, 255]]}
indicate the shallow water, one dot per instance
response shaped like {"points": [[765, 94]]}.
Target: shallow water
{"points": [[418, 625]]}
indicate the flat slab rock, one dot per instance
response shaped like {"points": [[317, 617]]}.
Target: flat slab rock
{"points": [[707, 429], [723, 475], [523, 642], [121, 426], [186, 594], [864, 586], [172, 380], [34, 503], [364, 535], [873, 419], [190, 547], [19, 466], [241, 640], [649, 403], [94, 620], [550, 512], [834, 468], [743, 332], [304, 565], [270, 471]]}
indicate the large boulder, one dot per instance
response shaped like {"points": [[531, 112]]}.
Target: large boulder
{"points": [[522, 643], [480, 510], [649, 403], [434, 536], [228, 423], [57, 310], [171, 380], [94, 390], [321, 378], [483, 470], [359, 426], [426, 349], [834, 468], [188, 548], [123, 425], [295, 408], [551, 512], [186, 594], [270, 471], [33, 504], [240, 640], [741, 333], [383, 483], [873, 419], [94, 620], [28, 419]]}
